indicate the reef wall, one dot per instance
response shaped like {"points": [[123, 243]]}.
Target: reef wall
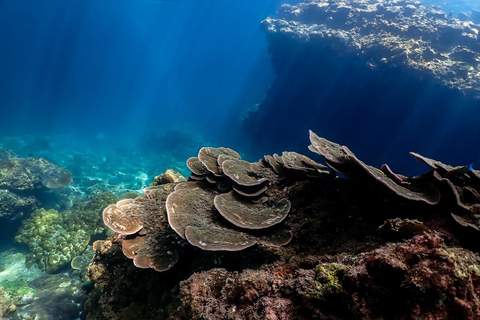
{"points": [[385, 77]]}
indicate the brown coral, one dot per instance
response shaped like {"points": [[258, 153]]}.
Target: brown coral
{"points": [[344, 161], [251, 215], [123, 217], [243, 173], [209, 158], [192, 214], [142, 221]]}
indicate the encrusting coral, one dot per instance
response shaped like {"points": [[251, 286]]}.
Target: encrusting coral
{"points": [[322, 250], [55, 238]]}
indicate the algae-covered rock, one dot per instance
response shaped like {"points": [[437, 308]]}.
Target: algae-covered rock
{"points": [[23, 179], [54, 238], [12, 204], [420, 279], [328, 280], [28, 293], [56, 297], [17, 289], [169, 176], [6, 304]]}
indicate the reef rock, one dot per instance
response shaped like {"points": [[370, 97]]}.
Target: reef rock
{"points": [[390, 66], [23, 179], [12, 205], [420, 279]]}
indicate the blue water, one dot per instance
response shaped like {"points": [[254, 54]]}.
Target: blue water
{"points": [[125, 69], [455, 6]]}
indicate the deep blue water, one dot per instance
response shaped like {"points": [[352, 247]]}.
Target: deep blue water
{"points": [[454, 6], [120, 70]]}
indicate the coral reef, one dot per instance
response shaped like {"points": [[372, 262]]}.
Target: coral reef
{"points": [[454, 188], [97, 164], [22, 178], [402, 33], [54, 238], [142, 221], [339, 263], [420, 279]]}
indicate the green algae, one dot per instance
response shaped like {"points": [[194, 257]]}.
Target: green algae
{"points": [[475, 268], [17, 289], [328, 280]]}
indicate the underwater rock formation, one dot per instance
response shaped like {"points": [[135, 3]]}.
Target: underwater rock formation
{"points": [[12, 204], [420, 279], [354, 69], [55, 297], [403, 33], [22, 178], [384, 246], [55, 238], [28, 293]]}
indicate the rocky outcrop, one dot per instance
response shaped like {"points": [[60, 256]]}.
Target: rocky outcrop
{"points": [[380, 74], [23, 180], [404, 281]]}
